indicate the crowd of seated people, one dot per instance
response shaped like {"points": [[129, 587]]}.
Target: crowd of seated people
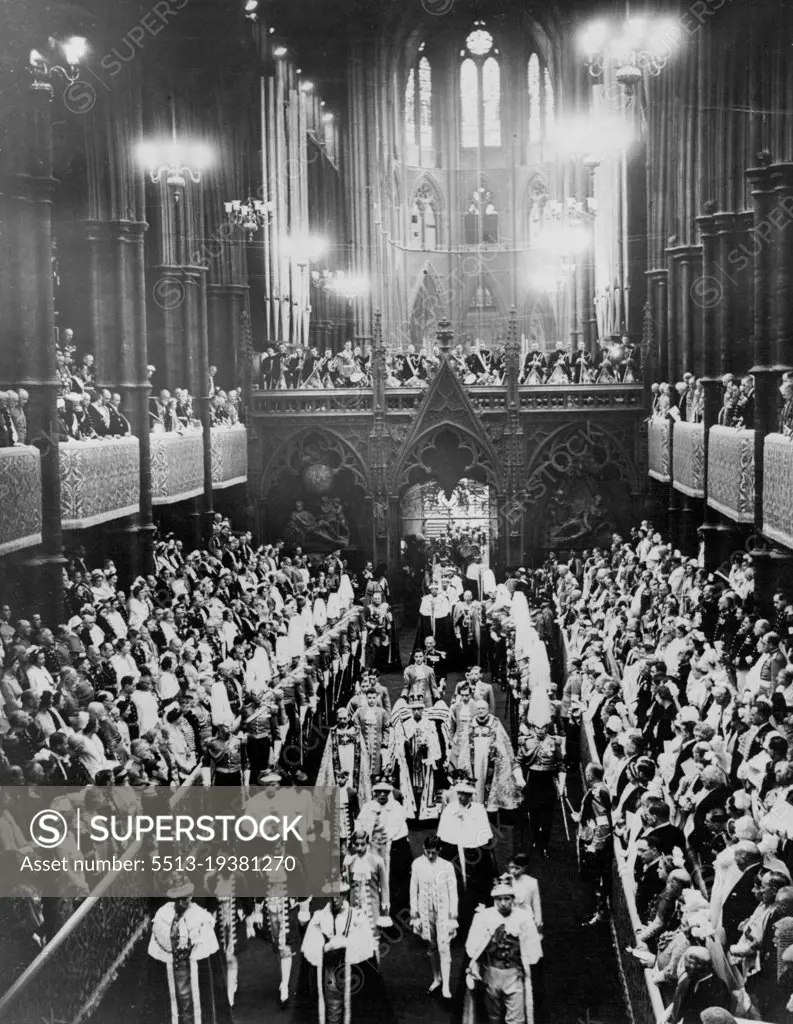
{"points": [[613, 364], [13, 419], [688, 692], [162, 682], [686, 401], [290, 367], [86, 412]]}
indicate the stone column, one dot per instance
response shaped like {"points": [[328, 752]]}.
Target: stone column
{"points": [[657, 281], [27, 345], [780, 218], [711, 529], [765, 375]]}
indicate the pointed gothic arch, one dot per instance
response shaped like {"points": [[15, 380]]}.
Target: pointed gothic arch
{"points": [[483, 307], [446, 409], [426, 207], [538, 320], [318, 444], [427, 305], [427, 457]]}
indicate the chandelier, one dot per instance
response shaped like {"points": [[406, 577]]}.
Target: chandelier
{"points": [[174, 160], [250, 215], [43, 68], [630, 49], [346, 286]]}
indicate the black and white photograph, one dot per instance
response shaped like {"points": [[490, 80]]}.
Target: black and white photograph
{"points": [[396, 511]]}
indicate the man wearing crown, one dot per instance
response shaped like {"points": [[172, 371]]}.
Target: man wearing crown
{"points": [[183, 938], [503, 944], [414, 757]]}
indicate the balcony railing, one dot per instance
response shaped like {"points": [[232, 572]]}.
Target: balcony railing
{"points": [[659, 448], [177, 462], [731, 472], [489, 398], [100, 480], [177, 467], [778, 489], [688, 459], [229, 455], [20, 498]]}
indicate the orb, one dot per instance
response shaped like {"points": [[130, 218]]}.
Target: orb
{"points": [[317, 478]]}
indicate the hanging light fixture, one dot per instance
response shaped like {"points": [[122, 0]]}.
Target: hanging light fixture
{"points": [[44, 67], [629, 49], [174, 159], [250, 215], [347, 286]]}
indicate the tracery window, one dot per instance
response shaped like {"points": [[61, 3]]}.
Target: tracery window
{"points": [[480, 90], [542, 103], [424, 219], [418, 107], [481, 219]]}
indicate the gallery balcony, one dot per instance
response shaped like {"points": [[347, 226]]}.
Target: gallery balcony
{"points": [[20, 508], [490, 399], [100, 479], [676, 456]]}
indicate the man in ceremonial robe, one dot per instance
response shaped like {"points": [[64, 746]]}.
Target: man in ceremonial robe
{"points": [[415, 757], [503, 944], [433, 910], [435, 659], [435, 619], [489, 758], [365, 872], [419, 681], [183, 939], [468, 629], [373, 721], [345, 752], [383, 818], [338, 938], [467, 838], [382, 648], [594, 840]]}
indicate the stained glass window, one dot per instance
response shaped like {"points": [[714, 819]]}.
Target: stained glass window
{"points": [[425, 104], [479, 42], [535, 125], [410, 108], [550, 114], [491, 102], [469, 103]]}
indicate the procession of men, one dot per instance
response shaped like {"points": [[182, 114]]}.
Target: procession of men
{"points": [[448, 765]]}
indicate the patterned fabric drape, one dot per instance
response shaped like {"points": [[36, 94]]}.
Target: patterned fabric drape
{"points": [[778, 489], [688, 459], [229, 455], [20, 498], [177, 467], [731, 473], [100, 480], [658, 449]]}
